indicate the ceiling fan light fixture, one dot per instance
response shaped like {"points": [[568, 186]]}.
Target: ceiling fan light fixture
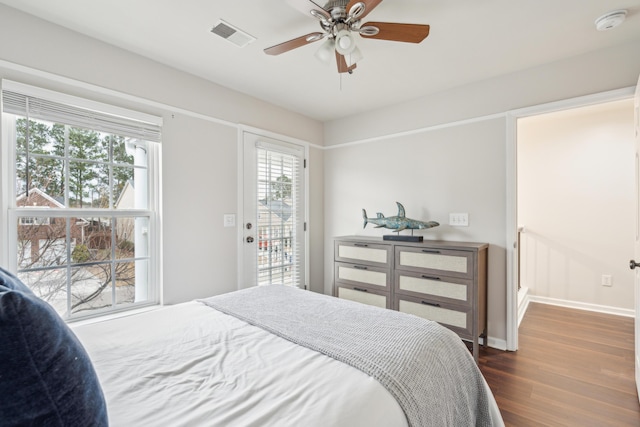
{"points": [[340, 21], [345, 43], [354, 57], [326, 51]]}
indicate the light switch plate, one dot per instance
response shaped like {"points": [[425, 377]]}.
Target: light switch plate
{"points": [[459, 219], [229, 220]]}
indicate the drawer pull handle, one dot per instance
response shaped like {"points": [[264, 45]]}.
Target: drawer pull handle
{"points": [[360, 289], [434, 304], [430, 251], [430, 277], [359, 267], [361, 245]]}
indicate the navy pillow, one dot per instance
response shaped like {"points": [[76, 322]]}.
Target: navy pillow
{"points": [[46, 377]]}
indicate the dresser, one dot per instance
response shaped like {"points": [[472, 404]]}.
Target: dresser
{"points": [[437, 280]]}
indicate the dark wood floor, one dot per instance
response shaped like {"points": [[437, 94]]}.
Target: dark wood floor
{"points": [[572, 368]]}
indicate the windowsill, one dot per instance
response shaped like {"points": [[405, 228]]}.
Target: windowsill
{"points": [[111, 316]]}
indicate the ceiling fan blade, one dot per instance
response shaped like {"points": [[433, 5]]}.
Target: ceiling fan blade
{"points": [[342, 64], [410, 33], [306, 6], [369, 5], [292, 44]]}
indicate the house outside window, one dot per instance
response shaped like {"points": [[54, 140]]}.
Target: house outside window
{"points": [[83, 223]]}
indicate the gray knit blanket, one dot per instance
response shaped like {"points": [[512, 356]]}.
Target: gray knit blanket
{"points": [[425, 366]]}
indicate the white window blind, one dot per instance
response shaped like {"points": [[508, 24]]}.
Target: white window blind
{"points": [[280, 214], [41, 104]]}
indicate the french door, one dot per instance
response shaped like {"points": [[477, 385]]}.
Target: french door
{"points": [[273, 212]]}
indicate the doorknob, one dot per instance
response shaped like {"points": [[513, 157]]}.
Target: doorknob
{"points": [[633, 264], [249, 239]]}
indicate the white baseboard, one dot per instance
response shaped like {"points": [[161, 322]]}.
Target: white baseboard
{"points": [[496, 343], [579, 305], [523, 303]]}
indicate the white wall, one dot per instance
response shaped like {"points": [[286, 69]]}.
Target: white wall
{"points": [[458, 169], [370, 167], [575, 197], [199, 168], [200, 179], [594, 72]]}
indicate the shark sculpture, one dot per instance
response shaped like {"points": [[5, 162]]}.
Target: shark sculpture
{"points": [[397, 223]]}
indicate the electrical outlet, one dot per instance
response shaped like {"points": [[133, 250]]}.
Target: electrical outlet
{"points": [[459, 219], [607, 280]]}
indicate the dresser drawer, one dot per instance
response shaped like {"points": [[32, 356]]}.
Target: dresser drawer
{"points": [[457, 318], [437, 280], [363, 253], [441, 288], [448, 262], [360, 274], [364, 295]]}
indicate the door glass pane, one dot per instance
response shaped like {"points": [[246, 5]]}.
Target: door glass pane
{"points": [[277, 217]]}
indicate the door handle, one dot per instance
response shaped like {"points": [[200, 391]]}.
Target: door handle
{"points": [[633, 264]]}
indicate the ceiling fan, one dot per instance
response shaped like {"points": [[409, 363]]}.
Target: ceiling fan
{"points": [[340, 20]]}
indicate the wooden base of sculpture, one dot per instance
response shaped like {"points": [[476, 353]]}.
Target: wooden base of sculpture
{"points": [[399, 238]]}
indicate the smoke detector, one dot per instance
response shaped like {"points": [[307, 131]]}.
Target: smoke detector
{"points": [[610, 20]]}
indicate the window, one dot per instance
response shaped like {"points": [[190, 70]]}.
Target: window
{"points": [[82, 214]]}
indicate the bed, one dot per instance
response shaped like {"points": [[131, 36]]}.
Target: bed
{"points": [[279, 356]]}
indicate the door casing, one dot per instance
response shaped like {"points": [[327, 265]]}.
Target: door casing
{"points": [[511, 190], [241, 230]]}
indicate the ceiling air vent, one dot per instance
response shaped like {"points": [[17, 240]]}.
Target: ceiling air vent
{"points": [[232, 34]]}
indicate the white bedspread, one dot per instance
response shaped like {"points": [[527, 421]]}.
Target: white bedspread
{"points": [[190, 365]]}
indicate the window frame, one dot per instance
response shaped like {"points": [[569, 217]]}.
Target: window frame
{"points": [[11, 212]]}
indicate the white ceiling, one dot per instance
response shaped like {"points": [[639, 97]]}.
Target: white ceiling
{"points": [[470, 40]]}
